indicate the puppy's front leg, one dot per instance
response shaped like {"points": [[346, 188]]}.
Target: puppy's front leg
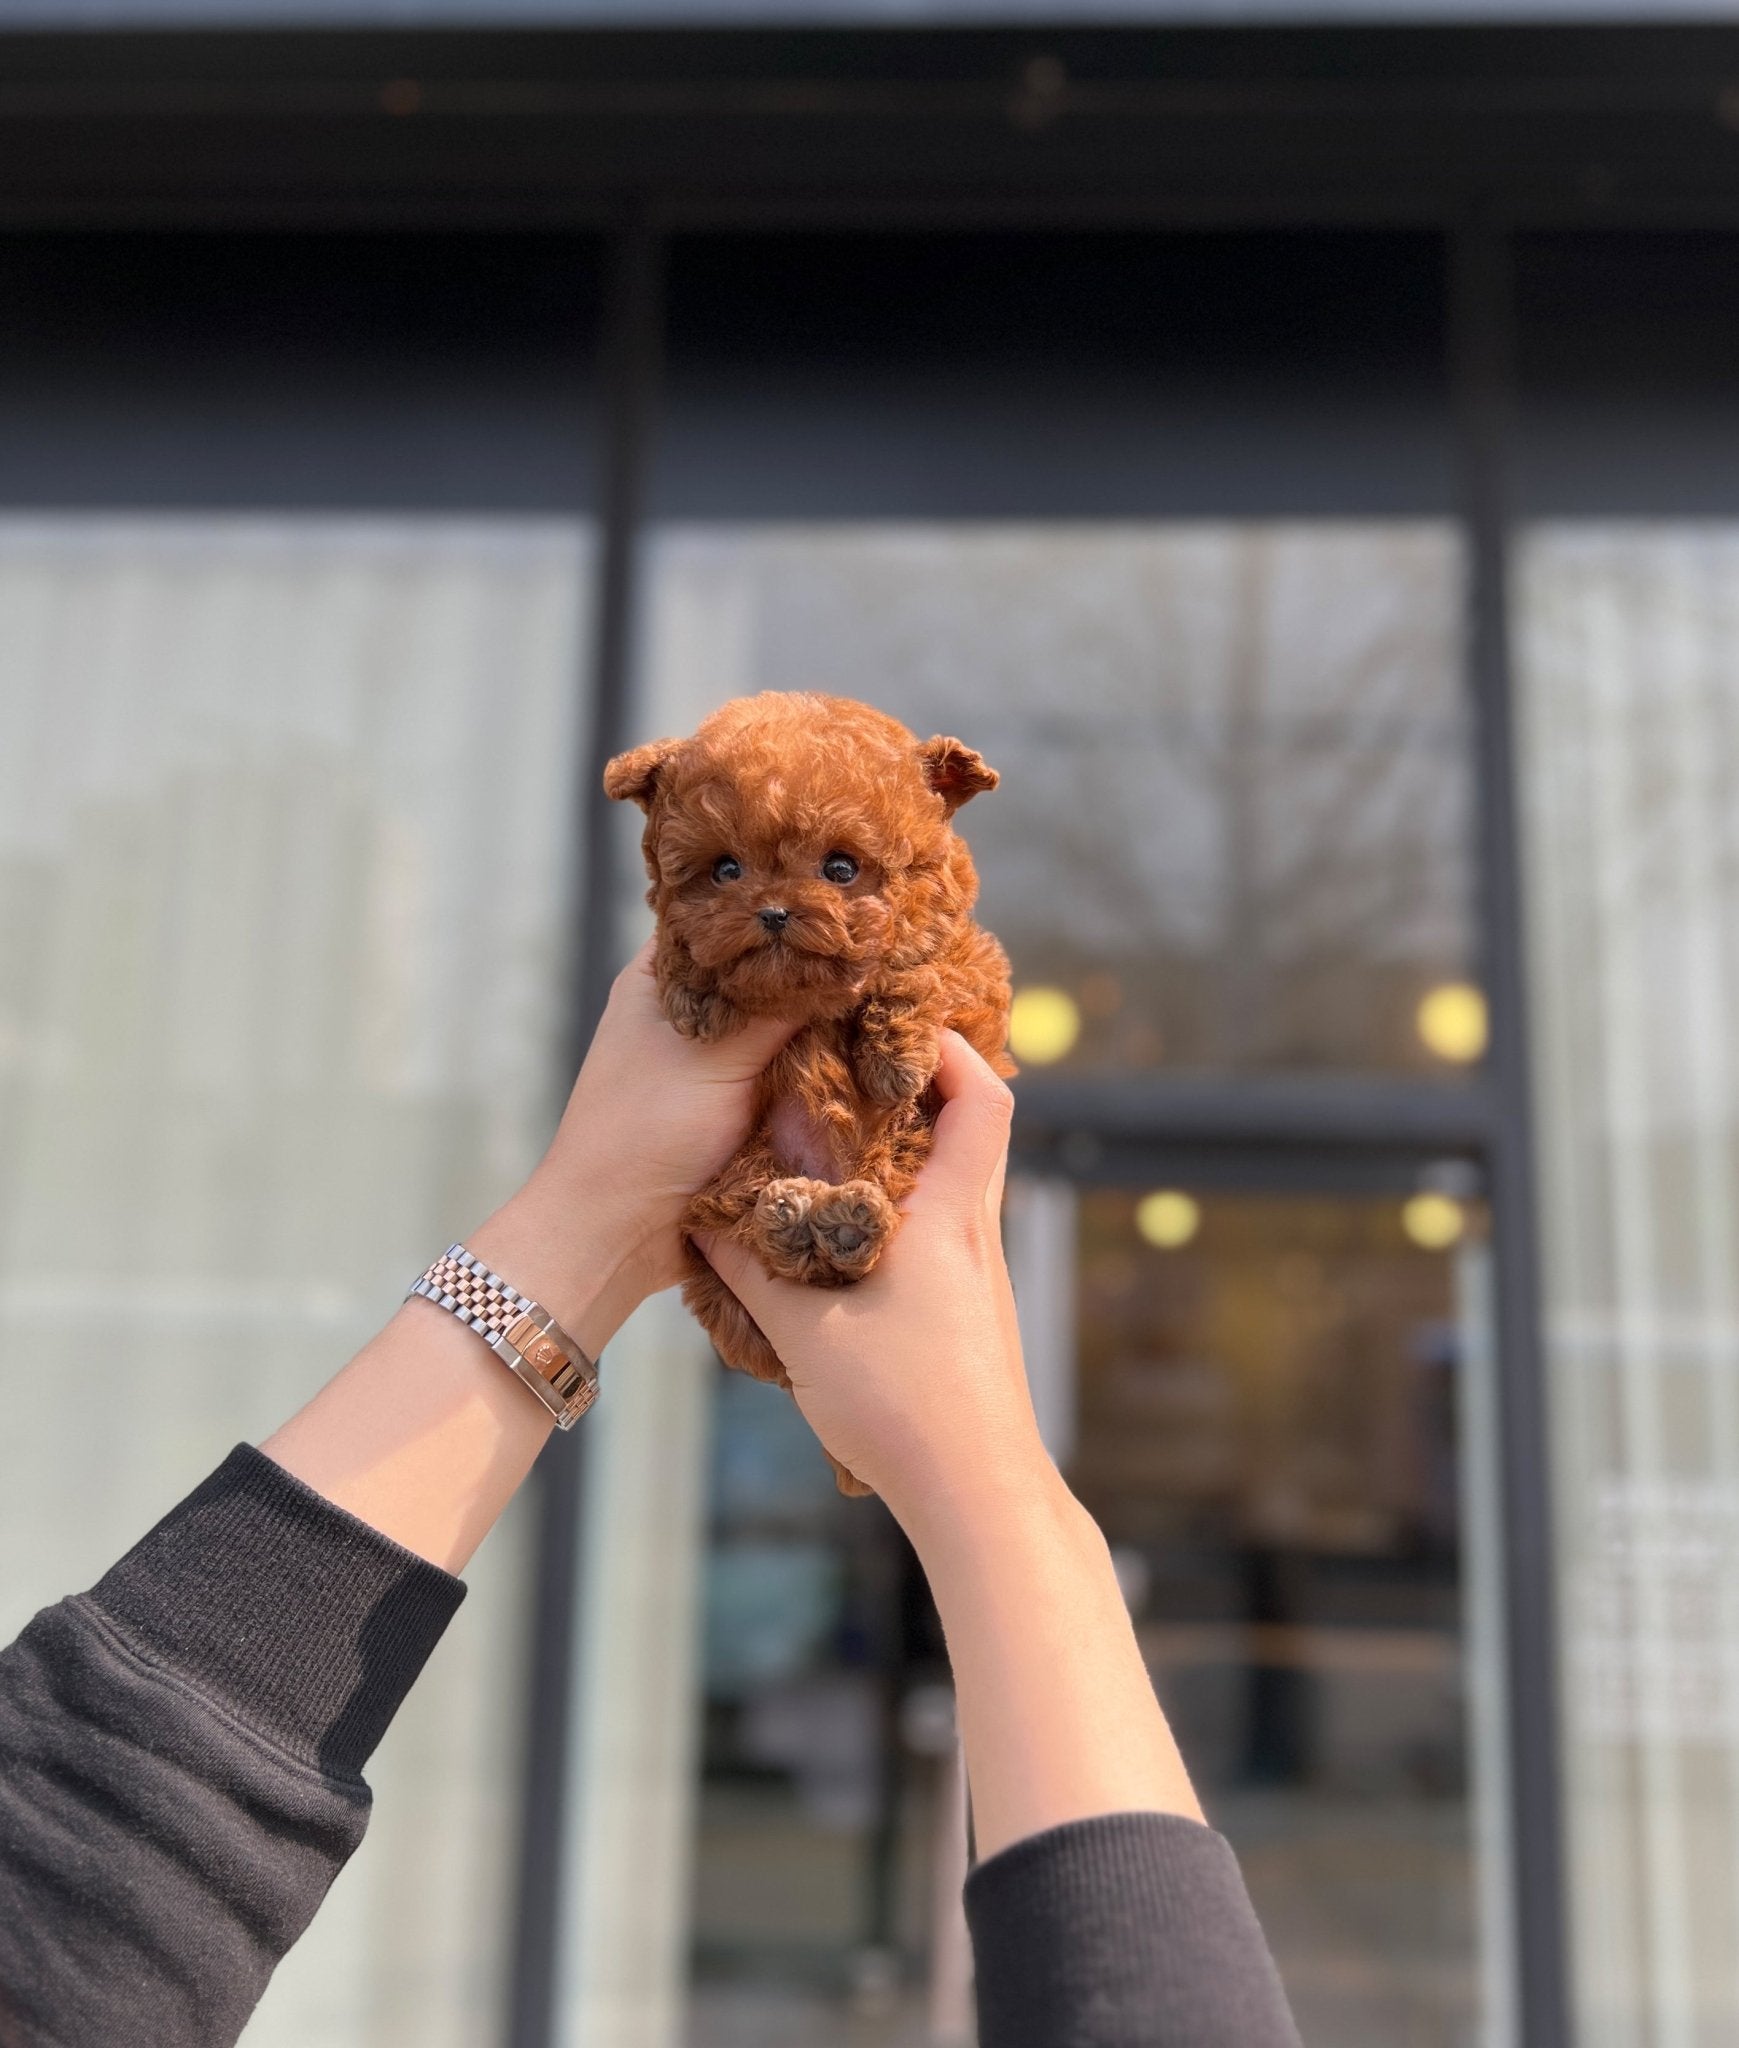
{"points": [[728, 1201], [703, 1014], [894, 1052], [692, 1006]]}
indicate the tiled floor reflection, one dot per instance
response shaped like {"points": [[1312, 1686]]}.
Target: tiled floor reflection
{"points": [[752, 2017], [1353, 1894], [1366, 1905]]}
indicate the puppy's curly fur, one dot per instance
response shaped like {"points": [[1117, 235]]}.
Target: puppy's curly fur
{"points": [[804, 864]]}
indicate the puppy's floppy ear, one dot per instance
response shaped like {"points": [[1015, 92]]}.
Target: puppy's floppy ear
{"points": [[955, 772], [635, 774]]}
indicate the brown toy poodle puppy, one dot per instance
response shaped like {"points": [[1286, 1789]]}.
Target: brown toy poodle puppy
{"points": [[804, 864]]}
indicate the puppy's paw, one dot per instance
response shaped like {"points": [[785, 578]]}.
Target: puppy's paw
{"points": [[701, 1014], [821, 1235], [889, 1080], [849, 1226], [780, 1226]]}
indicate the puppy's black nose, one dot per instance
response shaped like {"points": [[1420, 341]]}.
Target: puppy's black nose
{"points": [[775, 920]]}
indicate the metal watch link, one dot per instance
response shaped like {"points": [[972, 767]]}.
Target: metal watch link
{"points": [[524, 1335]]}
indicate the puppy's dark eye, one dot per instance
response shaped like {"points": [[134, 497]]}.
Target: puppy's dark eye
{"points": [[727, 868], [840, 868]]}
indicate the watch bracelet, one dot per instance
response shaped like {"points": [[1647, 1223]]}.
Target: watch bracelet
{"points": [[520, 1331]]}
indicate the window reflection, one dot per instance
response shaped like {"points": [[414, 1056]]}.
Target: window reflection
{"points": [[819, 1808], [1629, 727], [1231, 830], [249, 1074]]}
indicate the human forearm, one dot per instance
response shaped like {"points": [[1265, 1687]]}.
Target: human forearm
{"points": [[1057, 1713], [1101, 1909], [425, 1434], [184, 1744]]}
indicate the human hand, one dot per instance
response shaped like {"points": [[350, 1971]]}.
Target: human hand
{"points": [[912, 1378], [652, 1117]]}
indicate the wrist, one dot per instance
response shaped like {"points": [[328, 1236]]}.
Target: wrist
{"points": [[1007, 1505], [568, 1254]]}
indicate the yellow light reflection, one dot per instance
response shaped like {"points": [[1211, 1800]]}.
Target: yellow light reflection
{"points": [[1452, 1022], [1168, 1218], [1043, 1024], [1433, 1222]]}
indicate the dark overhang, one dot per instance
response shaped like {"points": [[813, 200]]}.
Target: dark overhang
{"points": [[1391, 124]]}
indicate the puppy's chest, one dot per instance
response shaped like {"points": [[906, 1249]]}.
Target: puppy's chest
{"points": [[813, 1112], [801, 1143]]}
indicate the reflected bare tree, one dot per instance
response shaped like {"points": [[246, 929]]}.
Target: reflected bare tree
{"points": [[1234, 758]]}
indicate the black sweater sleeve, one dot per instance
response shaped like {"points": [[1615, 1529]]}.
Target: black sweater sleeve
{"points": [[1133, 1930], [180, 1759], [180, 1781]]}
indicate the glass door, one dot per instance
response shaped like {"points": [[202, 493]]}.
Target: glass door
{"points": [[1270, 1402]]}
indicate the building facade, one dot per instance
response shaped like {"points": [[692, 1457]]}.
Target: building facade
{"points": [[1302, 458]]}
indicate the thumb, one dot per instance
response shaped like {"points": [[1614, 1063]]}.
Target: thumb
{"points": [[743, 1055], [970, 1154]]}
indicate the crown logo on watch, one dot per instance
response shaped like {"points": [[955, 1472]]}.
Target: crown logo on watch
{"points": [[537, 1347]]}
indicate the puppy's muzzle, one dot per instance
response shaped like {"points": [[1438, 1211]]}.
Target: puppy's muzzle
{"points": [[774, 920]]}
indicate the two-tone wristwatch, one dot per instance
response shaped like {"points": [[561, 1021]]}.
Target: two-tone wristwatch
{"points": [[524, 1335]]}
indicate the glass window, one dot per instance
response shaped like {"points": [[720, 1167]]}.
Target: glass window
{"points": [[803, 1609], [249, 1075], [294, 571], [1627, 682]]}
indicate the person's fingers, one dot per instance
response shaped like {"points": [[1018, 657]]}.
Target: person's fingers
{"points": [[971, 1148], [741, 1272]]}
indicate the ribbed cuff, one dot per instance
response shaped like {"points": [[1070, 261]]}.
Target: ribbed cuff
{"points": [[291, 1614], [1126, 1927]]}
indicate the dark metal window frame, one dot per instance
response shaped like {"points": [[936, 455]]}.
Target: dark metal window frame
{"points": [[1474, 133]]}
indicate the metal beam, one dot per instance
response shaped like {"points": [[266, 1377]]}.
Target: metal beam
{"points": [[1342, 1111], [1482, 379], [628, 376], [1367, 1172], [1383, 124]]}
